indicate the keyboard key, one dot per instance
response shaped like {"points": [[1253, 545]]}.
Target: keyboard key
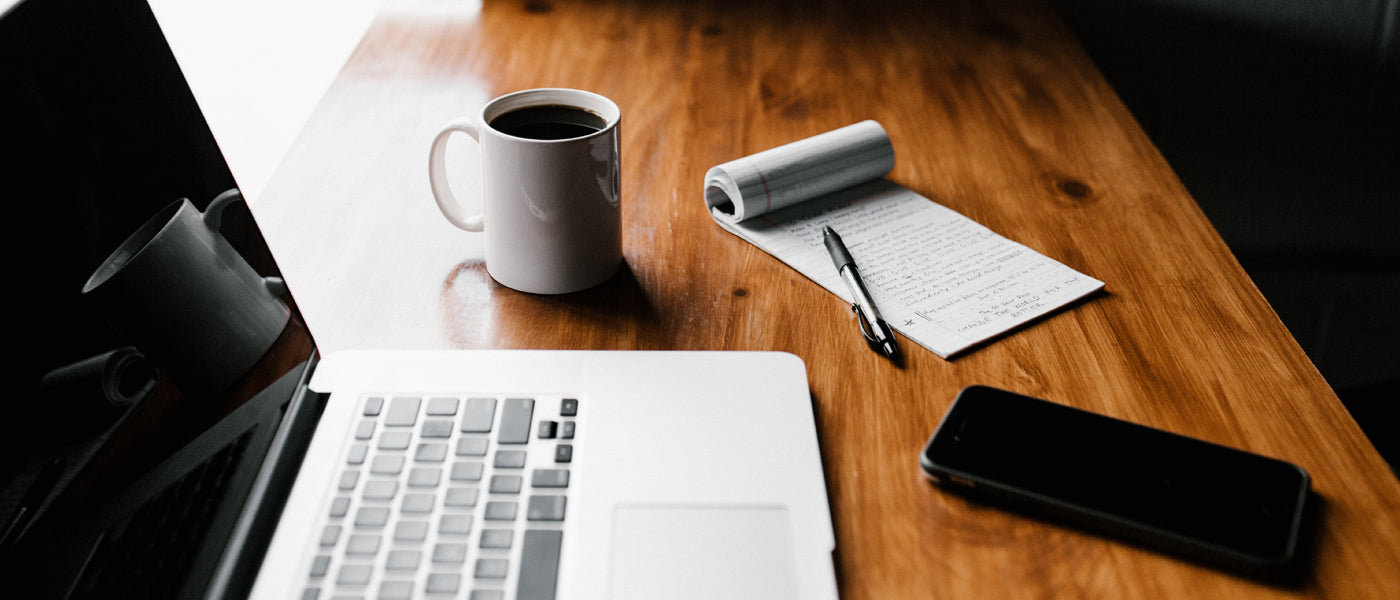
{"points": [[501, 511], [478, 414], [418, 503], [362, 544], [432, 452], [461, 497], [311, 593], [320, 565], [348, 479], [442, 407], [539, 565], [357, 455], [566, 430], [549, 478], [568, 407], [491, 568], [506, 484], [467, 471], [563, 453], [454, 554], [454, 524], [353, 574], [496, 538], [424, 477], [471, 446], [515, 421], [403, 560], [443, 583], [545, 508], [330, 535], [364, 430], [437, 429], [509, 459], [403, 412], [373, 406], [371, 516], [547, 429], [339, 507], [396, 590], [411, 531], [395, 440], [487, 595], [380, 489], [386, 465]]}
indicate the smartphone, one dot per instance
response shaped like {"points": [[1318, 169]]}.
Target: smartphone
{"points": [[1210, 503]]}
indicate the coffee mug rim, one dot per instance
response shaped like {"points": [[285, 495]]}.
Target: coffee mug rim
{"points": [[165, 218], [521, 99]]}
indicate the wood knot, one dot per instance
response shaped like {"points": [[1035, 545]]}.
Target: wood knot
{"points": [[538, 7], [740, 292], [1075, 188], [1067, 189], [711, 30]]}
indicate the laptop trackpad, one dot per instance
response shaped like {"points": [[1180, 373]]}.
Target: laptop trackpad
{"points": [[702, 552]]}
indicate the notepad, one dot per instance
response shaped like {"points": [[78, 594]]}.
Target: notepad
{"points": [[941, 279]]}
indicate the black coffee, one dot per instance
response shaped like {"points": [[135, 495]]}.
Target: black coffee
{"points": [[549, 122]]}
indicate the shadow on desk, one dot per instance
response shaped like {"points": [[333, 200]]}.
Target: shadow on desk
{"points": [[476, 311], [1298, 576]]}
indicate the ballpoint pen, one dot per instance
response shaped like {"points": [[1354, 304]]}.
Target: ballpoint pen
{"points": [[876, 332]]}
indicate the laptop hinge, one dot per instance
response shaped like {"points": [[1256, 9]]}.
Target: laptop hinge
{"points": [[242, 557]]}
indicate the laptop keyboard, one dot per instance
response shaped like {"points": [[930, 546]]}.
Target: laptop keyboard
{"points": [[148, 554], [448, 496]]}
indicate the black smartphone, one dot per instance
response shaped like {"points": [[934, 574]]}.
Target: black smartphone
{"points": [[1208, 502]]}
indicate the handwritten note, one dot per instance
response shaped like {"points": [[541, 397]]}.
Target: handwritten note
{"points": [[941, 279]]}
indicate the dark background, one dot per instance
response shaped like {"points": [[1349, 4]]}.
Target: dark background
{"points": [[1282, 118]]}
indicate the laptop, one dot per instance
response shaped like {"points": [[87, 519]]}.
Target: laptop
{"points": [[375, 474]]}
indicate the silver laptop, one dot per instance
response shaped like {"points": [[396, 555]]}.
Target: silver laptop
{"points": [[481, 474], [524, 474]]}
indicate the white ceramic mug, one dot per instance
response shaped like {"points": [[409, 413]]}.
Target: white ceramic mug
{"points": [[551, 215], [187, 299]]}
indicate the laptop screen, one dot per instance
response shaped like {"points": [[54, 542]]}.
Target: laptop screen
{"points": [[100, 133]]}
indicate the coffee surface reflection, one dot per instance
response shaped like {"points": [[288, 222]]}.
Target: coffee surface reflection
{"points": [[549, 122]]}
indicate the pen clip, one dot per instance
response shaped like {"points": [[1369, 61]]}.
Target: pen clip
{"points": [[866, 327]]}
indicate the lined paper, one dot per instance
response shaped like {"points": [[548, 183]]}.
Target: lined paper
{"points": [[941, 279]]}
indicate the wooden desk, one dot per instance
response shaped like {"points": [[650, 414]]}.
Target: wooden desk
{"points": [[994, 111]]}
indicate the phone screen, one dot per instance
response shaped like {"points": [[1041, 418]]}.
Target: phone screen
{"points": [[1119, 474]]}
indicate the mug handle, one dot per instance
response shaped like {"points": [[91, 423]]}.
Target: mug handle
{"points": [[213, 217], [437, 175], [276, 286]]}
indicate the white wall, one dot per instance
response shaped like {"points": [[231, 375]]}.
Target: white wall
{"points": [[259, 67]]}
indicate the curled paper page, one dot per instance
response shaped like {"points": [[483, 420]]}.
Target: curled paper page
{"points": [[119, 378], [787, 175], [94, 392]]}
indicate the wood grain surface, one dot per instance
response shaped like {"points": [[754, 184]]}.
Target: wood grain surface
{"points": [[994, 111]]}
